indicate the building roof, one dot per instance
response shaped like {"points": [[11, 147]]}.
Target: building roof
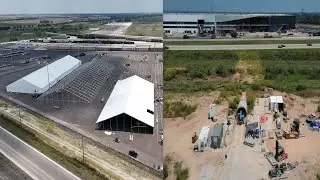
{"points": [[204, 132], [132, 96], [216, 130], [276, 99], [211, 17], [40, 78]]}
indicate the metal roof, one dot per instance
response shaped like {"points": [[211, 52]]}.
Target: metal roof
{"points": [[216, 130], [132, 96], [211, 17], [204, 132], [276, 99], [53, 70], [48, 75]]}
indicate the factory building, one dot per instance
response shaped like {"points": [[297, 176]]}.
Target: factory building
{"points": [[130, 107], [42, 79], [202, 23]]}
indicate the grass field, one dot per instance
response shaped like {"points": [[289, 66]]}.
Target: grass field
{"points": [[35, 21], [145, 29], [242, 42], [293, 71]]}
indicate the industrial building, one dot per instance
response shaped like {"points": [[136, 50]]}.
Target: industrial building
{"points": [[130, 107], [42, 79], [214, 23]]}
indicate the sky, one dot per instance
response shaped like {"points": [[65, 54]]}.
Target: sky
{"points": [[242, 5], [80, 6]]}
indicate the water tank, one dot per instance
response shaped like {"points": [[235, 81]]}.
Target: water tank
{"points": [[242, 107]]}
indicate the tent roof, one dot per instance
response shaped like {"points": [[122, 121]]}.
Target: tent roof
{"points": [[276, 99], [40, 78], [132, 96]]}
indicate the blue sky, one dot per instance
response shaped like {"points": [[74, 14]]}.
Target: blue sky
{"points": [[242, 5], [79, 6]]}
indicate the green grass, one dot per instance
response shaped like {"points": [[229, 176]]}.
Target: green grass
{"points": [[180, 172], [242, 42], [294, 71], [192, 64], [74, 165], [174, 109], [146, 29]]}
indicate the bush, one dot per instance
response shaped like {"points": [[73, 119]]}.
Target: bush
{"points": [[234, 34], [173, 109], [300, 87], [185, 37], [181, 173], [165, 171], [318, 109], [250, 103]]}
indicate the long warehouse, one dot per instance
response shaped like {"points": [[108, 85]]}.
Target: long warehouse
{"points": [[199, 23], [130, 107], [42, 79]]}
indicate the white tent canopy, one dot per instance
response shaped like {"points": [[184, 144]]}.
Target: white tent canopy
{"points": [[276, 103], [42, 79], [133, 96]]}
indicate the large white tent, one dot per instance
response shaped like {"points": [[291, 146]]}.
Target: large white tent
{"points": [[42, 79], [130, 104]]}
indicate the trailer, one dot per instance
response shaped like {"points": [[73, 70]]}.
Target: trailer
{"points": [[242, 111], [215, 135]]}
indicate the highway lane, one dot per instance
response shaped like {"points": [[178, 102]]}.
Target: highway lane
{"points": [[34, 163], [241, 47]]}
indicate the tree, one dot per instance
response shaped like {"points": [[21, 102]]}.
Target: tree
{"points": [[234, 34]]}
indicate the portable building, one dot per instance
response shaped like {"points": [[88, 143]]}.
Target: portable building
{"points": [[276, 103], [215, 135], [203, 140]]}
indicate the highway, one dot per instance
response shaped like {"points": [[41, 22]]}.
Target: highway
{"points": [[241, 47], [34, 163]]}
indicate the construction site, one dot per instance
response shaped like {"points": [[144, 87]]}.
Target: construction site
{"points": [[275, 140], [74, 88]]}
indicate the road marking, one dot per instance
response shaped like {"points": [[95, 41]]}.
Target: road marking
{"points": [[41, 154]]}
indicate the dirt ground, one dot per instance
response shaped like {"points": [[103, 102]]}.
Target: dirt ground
{"points": [[178, 133]]}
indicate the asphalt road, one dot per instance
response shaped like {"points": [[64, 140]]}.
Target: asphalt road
{"points": [[34, 163], [9, 171], [242, 47]]}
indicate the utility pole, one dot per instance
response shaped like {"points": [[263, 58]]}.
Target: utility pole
{"points": [[82, 149], [20, 116]]}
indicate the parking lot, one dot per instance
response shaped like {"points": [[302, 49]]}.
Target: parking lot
{"points": [[77, 98]]}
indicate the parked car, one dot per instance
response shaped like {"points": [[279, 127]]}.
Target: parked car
{"points": [[309, 44], [133, 154]]}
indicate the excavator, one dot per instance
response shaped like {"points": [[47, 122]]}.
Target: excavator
{"points": [[294, 132]]}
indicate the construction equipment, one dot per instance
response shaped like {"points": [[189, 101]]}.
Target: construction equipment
{"points": [[271, 159], [280, 153], [294, 132], [249, 142]]}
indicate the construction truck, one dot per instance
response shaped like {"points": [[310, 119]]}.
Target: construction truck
{"points": [[294, 132]]}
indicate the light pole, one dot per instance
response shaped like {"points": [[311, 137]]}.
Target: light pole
{"points": [[19, 116]]}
